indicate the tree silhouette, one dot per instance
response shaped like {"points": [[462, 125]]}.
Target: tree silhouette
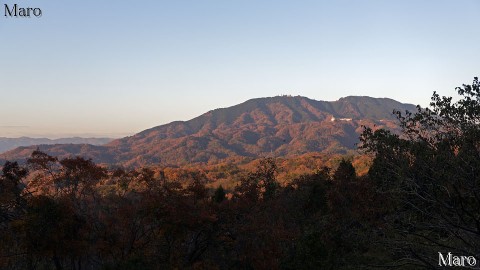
{"points": [[219, 195], [430, 175]]}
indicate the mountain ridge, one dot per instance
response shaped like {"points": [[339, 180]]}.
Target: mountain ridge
{"points": [[279, 126], [7, 143]]}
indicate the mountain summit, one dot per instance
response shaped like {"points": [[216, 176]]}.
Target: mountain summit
{"points": [[273, 126]]}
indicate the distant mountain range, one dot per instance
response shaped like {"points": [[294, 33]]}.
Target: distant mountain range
{"points": [[12, 143], [273, 126]]}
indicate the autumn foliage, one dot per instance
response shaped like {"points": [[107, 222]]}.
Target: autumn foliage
{"points": [[419, 197], [74, 214]]}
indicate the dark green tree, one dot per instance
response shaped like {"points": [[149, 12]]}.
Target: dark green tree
{"points": [[219, 195], [345, 171]]}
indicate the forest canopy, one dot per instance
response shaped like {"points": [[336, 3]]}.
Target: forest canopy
{"points": [[419, 198]]}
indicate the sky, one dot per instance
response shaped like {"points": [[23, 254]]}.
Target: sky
{"points": [[115, 68]]}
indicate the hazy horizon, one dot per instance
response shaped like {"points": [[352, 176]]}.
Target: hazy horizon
{"points": [[112, 69], [55, 133], [49, 133]]}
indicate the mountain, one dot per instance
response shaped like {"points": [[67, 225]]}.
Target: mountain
{"points": [[273, 126], [12, 143]]}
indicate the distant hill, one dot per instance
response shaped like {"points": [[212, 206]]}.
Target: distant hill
{"points": [[273, 126], [12, 143]]}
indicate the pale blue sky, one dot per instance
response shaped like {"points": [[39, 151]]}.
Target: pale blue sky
{"points": [[114, 68]]}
